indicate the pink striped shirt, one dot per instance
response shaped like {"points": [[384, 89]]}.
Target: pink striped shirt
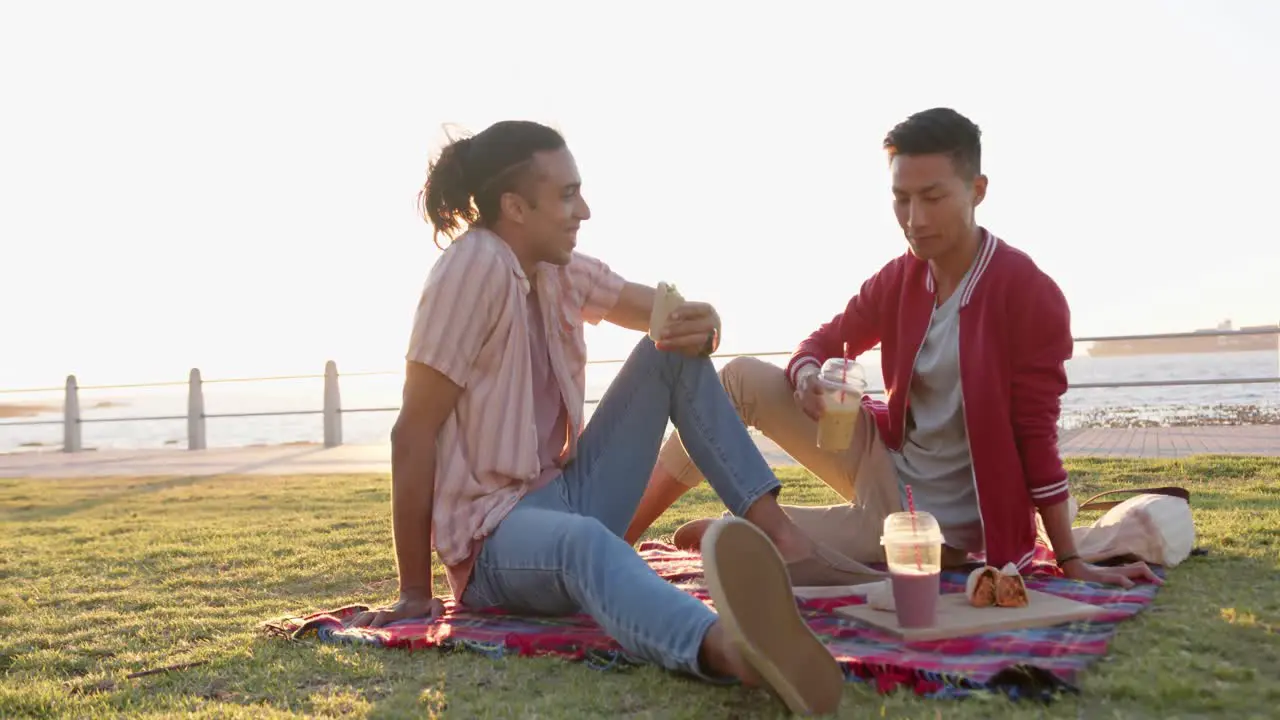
{"points": [[471, 325]]}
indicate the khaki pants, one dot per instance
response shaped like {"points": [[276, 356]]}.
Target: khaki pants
{"points": [[864, 475]]}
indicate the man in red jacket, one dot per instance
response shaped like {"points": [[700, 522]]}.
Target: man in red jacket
{"points": [[973, 338]]}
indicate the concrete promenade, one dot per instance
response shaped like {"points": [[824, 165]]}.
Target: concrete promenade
{"points": [[315, 459]]}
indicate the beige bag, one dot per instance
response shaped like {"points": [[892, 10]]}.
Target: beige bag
{"points": [[1155, 525]]}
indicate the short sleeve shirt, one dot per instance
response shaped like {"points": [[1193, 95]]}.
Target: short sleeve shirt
{"points": [[472, 326]]}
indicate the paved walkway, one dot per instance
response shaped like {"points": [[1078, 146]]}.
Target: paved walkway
{"points": [[314, 459], [1173, 442]]}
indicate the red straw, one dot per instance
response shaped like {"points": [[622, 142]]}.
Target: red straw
{"points": [[844, 373], [911, 507]]}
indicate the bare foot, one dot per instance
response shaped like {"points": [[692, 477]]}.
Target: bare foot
{"points": [[720, 656], [689, 535], [793, 544]]}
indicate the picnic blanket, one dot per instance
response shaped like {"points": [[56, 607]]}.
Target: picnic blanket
{"points": [[1032, 663]]}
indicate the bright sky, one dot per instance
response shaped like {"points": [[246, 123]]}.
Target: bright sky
{"points": [[231, 185]]}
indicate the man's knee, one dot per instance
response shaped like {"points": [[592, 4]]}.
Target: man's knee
{"points": [[749, 370], [737, 366], [581, 537], [647, 353], [591, 554], [646, 349], [745, 378]]}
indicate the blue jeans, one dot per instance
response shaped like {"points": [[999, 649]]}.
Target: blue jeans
{"points": [[560, 550]]}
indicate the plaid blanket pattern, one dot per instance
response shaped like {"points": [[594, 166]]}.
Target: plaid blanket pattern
{"points": [[1032, 663]]}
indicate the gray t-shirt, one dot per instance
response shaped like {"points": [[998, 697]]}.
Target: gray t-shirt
{"points": [[935, 453]]}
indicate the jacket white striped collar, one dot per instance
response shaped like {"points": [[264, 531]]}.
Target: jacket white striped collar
{"points": [[980, 263]]}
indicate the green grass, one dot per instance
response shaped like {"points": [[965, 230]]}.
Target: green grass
{"points": [[105, 577]]}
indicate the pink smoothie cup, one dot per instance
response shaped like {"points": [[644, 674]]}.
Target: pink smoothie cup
{"points": [[913, 551]]}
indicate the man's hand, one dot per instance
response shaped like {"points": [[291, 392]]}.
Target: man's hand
{"points": [[1122, 575], [1057, 525], [809, 393], [690, 328], [409, 606]]}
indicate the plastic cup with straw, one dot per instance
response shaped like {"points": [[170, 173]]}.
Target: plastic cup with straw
{"points": [[913, 551], [842, 387]]}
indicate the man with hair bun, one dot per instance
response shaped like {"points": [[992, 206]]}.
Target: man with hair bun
{"points": [[491, 466], [974, 339]]}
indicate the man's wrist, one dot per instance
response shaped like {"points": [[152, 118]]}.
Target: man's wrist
{"points": [[1069, 559], [804, 374]]}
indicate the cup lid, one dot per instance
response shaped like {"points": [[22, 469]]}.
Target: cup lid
{"points": [[898, 528], [841, 373]]}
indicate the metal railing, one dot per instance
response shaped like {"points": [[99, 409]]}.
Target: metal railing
{"points": [[332, 410]]}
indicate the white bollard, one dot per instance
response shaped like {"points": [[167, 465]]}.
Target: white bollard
{"points": [[332, 406], [195, 412], [71, 417]]}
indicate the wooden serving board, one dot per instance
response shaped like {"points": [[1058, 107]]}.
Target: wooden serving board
{"points": [[835, 591], [957, 618]]}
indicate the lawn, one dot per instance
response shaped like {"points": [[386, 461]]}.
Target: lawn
{"points": [[107, 577]]}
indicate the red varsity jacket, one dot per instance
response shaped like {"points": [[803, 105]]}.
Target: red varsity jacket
{"points": [[1015, 339]]}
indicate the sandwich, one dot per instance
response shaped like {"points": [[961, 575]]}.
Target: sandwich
{"points": [[1011, 591], [980, 588], [665, 301], [989, 587]]}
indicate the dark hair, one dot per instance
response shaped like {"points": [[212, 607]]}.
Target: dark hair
{"points": [[939, 131], [466, 183]]}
